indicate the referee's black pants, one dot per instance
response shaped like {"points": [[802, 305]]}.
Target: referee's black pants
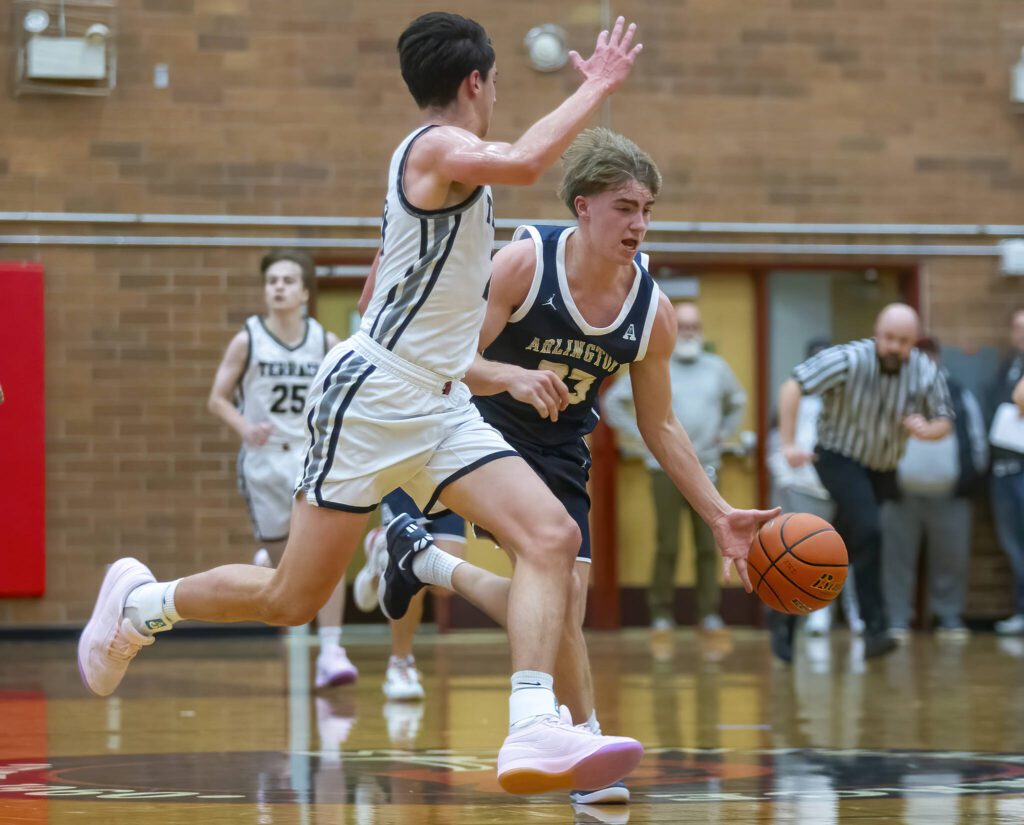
{"points": [[858, 494]]}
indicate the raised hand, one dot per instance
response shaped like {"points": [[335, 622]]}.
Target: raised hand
{"points": [[734, 531], [613, 57]]}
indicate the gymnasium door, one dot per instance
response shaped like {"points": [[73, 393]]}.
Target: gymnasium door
{"points": [[727, 301]]}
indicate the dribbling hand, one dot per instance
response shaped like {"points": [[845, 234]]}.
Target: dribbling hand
{"points": [[734, 531], [613, 57]]}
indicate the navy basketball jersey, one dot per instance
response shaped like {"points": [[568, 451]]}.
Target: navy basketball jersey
{"points": [[548, 332]]}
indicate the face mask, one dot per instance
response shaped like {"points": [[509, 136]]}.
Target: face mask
{"points": [[689, 348]]}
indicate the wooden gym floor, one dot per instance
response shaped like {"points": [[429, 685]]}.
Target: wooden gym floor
{"points": [[224, 729]]}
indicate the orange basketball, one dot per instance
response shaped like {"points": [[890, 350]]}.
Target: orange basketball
{"points": [[797, 563]]}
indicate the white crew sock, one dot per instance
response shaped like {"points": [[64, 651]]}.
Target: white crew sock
{"points": [[434, 566], [329, 637], [532, 697], [150, 607]]}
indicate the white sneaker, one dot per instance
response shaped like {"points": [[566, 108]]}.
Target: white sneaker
{"points": [[550, 754], [109, 641], [333, 668], [1014, 626], [364, 588], [402, 681], [262, 558]]}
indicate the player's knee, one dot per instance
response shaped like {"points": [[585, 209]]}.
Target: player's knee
{"points": [[286, 610], [560, 541]]}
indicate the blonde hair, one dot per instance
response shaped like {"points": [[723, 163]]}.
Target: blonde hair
{"points": [[600, 159]]}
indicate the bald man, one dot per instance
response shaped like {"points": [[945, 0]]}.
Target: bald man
{"points": [[875, 393]]}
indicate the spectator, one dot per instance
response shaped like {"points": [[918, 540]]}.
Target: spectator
{"points": [[709, 402], [875, 393], [937, 480], [1008, 478]]}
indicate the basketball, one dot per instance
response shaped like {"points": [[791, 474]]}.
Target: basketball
{"points": [[797, 563]]}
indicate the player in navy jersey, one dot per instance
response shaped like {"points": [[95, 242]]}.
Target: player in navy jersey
{"points": [[567, 306]]}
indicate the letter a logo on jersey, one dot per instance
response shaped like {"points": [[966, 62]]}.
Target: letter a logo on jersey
{"points": [[630, 334]]}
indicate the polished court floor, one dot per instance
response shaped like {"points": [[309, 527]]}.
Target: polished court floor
{"points": [[225, 729]]}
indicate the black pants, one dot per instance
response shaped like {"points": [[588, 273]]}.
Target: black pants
{"points": [[858, 494]]}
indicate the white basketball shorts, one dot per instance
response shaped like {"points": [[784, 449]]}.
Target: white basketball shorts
{"points": [[266, 478], [377, 422]]}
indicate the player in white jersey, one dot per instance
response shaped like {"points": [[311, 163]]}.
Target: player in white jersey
{"points": [[388, 410], [557, 296], [260, 391]]}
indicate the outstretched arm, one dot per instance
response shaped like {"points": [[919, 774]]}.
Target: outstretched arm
{"points": [[667, 440], [450, 154]]}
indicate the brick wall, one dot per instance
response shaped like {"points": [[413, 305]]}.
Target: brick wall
{"points": [[804, 110], [783, 110]]}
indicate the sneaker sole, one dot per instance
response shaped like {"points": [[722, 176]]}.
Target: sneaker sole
{"points": [[616, 795], [114, 576], [339, 679], [603, 767], [417, 696]]}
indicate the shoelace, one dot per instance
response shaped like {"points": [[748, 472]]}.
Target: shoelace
{"points": [[404, 670], [125, 649]]}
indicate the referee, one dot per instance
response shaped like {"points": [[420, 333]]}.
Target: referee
{"points": [[875, 393]]}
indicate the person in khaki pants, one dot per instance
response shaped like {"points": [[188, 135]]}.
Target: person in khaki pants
{"points": [[709, 401]]}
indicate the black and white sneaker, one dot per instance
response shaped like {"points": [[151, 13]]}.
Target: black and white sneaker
{"points": [[398, 584]]}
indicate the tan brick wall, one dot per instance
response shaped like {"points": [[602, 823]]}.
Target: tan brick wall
{"points": [[804, 110], [135, 463], [782, 110]]}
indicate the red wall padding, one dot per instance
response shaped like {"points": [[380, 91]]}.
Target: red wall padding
{"points": [[22, 431]]}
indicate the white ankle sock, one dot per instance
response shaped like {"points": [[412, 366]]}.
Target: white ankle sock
{"points": [[434, 566], [329, 637], [150, 607], [532, 697]]}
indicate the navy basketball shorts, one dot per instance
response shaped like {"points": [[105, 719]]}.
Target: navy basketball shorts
{"points": [[565, 469]]}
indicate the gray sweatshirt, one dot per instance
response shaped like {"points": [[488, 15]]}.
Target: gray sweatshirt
{"points": [[707, 400]]}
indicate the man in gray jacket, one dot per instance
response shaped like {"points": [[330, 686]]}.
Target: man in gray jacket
{"points": [[709, 402]]}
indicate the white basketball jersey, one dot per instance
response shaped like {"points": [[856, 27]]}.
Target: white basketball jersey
{"points": [[428, 302], [276, 379]]}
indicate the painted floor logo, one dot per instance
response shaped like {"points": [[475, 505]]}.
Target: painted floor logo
{"points": [[667, 775]]}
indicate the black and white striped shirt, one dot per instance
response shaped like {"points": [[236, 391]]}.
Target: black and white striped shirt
{"points": [[863, 408]]}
